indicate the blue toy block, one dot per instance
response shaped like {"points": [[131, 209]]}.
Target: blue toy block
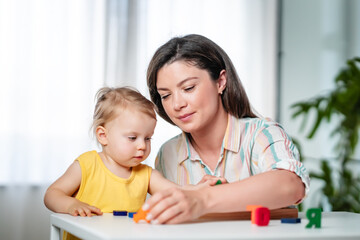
{"points": [[131, 214], [291, 220], [120, 213]]}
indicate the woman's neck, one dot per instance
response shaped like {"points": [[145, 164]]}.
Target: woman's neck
{"points": [[208, 141]]}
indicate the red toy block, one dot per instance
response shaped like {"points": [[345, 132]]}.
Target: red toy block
{"points": [[141, 216], [262, 216], [259, 215]]}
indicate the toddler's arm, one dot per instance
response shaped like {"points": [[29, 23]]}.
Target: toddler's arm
{"points": [[159, 183], [59, 196]]}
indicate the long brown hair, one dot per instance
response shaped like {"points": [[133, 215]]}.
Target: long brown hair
{"points": [[204, 54]]}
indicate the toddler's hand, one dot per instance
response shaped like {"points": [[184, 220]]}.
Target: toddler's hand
{"points": [[83, 209]]}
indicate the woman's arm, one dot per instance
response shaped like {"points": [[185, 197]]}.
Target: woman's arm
{"points": [[273, 189], [59, 196]]}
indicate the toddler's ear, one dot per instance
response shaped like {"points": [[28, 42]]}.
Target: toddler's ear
{"points": [[101, 135]]}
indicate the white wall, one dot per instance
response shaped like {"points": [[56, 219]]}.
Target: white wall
{"points": [[318, 37], [22, 219]]}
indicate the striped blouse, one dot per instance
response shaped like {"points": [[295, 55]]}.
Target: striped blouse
{"points": [[250, 146]]}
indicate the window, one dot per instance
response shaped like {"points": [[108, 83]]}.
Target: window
{"points": [[55, 55]]}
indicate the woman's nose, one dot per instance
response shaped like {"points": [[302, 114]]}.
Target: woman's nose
{"points": [[178, 102]]}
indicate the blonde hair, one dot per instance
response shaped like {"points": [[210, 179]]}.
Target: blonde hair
{"points": [[110, 100]]}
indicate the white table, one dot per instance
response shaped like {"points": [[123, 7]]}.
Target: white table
{"points": [[334, 225]]}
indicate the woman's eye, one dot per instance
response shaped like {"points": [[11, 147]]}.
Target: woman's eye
{"points": [[187, 89], [164, 96]]}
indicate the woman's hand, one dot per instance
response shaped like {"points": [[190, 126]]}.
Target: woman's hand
{"points": [[82, 209], [211, 180], [175, 205]]}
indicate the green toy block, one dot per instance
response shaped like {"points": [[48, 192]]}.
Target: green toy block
{"points": [[218, 182], [314, 216]]}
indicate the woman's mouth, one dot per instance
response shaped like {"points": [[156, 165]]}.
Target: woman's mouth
{"points": [[185, 117]]}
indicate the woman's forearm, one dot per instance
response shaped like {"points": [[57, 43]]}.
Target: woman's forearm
{"points": [[274, 189]]}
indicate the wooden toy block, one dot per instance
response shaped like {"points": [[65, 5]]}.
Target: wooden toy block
{"points": [[275, 214], [314, 216]]}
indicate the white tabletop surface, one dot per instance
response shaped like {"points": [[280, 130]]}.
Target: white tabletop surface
{"points": [[335, 225]]}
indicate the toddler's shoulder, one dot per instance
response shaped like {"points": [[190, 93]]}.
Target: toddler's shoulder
{"points": [[90, 158], [92, 155]]}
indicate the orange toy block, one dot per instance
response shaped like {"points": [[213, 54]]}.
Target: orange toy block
{"points": [[252, 208], [141, 216]]}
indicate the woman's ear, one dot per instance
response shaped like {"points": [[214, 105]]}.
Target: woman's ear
{"points": [[101, 135], [221, 82]]}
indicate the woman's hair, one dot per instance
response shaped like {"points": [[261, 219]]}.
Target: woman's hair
{"points": [[203, 53], [111, 101]]}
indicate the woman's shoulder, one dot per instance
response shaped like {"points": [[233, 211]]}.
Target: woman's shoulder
{"points": [[263, 128], [260, 126], [175, 140], [175, 143], [259, 122]]}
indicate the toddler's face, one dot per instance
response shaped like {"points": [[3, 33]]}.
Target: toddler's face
{"points": [[129, 137]]}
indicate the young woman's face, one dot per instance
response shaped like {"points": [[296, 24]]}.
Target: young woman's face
{"points": [[189, 96], [128, 137]]}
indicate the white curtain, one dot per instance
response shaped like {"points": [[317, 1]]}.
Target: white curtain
{"points": [[51, 64], [55, 55], [246, 29]]}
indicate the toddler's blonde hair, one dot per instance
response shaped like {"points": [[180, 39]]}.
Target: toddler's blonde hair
{"points": [[110, 100]]}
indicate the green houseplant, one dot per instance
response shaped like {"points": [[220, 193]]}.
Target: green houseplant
{"points": [[342, 106]]}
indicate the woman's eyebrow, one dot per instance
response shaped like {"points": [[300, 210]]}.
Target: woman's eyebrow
{"points": [[179, 84]]}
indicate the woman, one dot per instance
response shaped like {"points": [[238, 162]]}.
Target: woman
{"points": [[195, 86]]}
